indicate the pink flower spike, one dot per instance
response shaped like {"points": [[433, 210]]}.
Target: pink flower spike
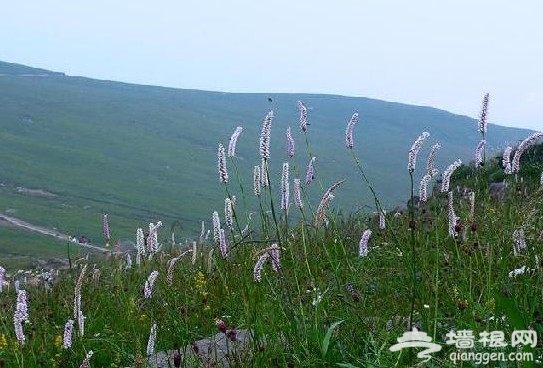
{"points": [[148, 287], [484, 114], [221, 164], [349, 131], [223, 243], [257, 272], [413, 152], [310, 174], [105, 228], [303, 115], [290, 143], [265, 136], [363, 245], [233, 141]]}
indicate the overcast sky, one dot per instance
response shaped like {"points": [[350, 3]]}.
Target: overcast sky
{"points": [[446, 54]]}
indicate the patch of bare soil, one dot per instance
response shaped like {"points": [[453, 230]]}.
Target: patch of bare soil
{"points": [[35, 192]]}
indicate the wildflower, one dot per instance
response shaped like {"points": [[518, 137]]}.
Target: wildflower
{"points": [[284, 187], [151, 341], [290, 143], [171, 265], [81, 323], [68, 330], [506, 160], [2, 277], [128, 261], [201, 283], [221, 164], [423, 187], [264, 174], [363, 245], [413, 152], [3, 342], [140, 245], [317, 296], [223, 244], [148, 288], [310, 174], [517, 271], [221, 325], [233, 141], [216, 226], [452, 217], [173, 261], [86, 361], [96, 277], [303, 115], [228, 213], [77, 292], [446, 177], [354, 294], [471, 205], [479, 154], [349, 131], [483, 115], [256, 181], [177, 360], [298, 194], [152, 238], [105, 228], [275, 254], [20, 316], [257, 272], [540, 182], [430, 170], [323, 205], [382, 219], [515, 166], [520, 241], [458, 226], [265, 136], [231, 335]]}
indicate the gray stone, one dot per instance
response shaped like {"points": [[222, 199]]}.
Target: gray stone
{"points": [[497, 190]]}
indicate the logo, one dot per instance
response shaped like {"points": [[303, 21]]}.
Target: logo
{"points": [[465, 341], [417, 339]]}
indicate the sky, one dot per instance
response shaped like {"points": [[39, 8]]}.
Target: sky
{"points": [[446, 54]]}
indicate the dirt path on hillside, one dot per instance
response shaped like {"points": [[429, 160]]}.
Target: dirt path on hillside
{"points": [[45, 231]]}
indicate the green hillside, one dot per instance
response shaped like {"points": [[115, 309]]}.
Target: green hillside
{"points": [[144, 153]]}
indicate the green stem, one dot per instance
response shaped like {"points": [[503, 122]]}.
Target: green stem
{"points": [[413, 255]]}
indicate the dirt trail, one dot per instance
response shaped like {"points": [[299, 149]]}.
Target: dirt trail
{"points": [[45, 231]]}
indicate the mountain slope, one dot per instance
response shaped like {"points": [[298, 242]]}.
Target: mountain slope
{"points": [[143, 153]]}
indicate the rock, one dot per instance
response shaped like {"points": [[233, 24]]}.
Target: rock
{"points": [[223, 350], [497, 190]]}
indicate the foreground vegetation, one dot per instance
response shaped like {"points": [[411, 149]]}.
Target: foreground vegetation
{"points": [[322, 298]]}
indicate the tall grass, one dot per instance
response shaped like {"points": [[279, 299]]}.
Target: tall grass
{"points": [[300, 278]]}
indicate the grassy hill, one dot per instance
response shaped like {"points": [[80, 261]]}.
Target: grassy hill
{"points": [[144, 153]]}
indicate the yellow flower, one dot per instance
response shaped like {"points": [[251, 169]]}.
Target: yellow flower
{"points": [[455, 292], [131, 305], [58, 341], [491, 303], [200, 281], [206, 308], [3, 341], [143, 317]]}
